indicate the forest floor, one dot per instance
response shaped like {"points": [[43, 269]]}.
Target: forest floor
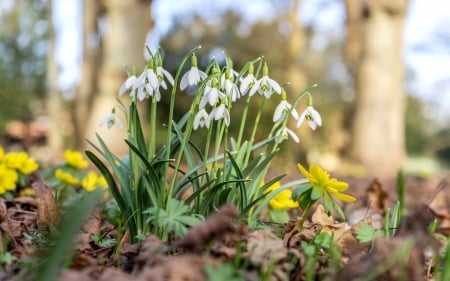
{"points": [[223, 249]]}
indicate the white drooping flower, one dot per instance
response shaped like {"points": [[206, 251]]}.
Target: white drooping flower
{"points": [[127, 84], [220, 112], [193, 76], [312, 117], [284, 133], [201, 119], [211, 95], [231, 90], [265, 86], [163, 75], [110, 120], [248, 82], [282, 110]]}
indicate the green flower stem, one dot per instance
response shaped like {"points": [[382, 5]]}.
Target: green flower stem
{"points": [[304, 215], [171, 111], [255, 128], [186, 136], [243, 121], [152, 127]]}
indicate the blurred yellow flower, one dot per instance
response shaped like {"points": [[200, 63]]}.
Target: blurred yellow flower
{"points": [[283, 200], [321, 182], [27, 192], [65, 177], [91, 181], [20, 162], [8, 178], [75, 159]]}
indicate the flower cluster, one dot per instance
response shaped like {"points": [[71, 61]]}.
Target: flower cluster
{"points": [[220, 88], [14, 166], [73, 172]]}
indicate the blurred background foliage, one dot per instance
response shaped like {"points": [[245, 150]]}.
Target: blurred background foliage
{"points": [[25, 38]]}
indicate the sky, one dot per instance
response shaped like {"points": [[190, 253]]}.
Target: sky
{"points": [[425, 20]]}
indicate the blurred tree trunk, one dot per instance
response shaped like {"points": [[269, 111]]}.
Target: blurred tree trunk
{"points": [[374, 54], [122, 44], [90, 66], [54, 103], [293, 51]]}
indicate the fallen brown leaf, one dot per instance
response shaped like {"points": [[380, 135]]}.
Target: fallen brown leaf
{"points": [[48, 210]]}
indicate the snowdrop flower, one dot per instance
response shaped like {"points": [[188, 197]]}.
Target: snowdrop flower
{"points": [[162, 74], [211, 95], [201, 119], [145, 85], [127, 84], [193, 76], [283, 109], [265, 86], [248, 82], [311, 115], [284, 133], [111, 120], [231, 90], [220, 112]]}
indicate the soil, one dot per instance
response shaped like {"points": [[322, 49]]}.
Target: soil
{"points": [[222, 248]]}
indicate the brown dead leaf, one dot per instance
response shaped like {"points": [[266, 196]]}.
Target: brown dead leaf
{"points": [[321, 216], [377, 196], [216, 225], [186, 267], [48, 210], [263, 248]]}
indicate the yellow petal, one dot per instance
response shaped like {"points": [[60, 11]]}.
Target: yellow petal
{"points": [[345, 197], [306, 173], [338, 185]]}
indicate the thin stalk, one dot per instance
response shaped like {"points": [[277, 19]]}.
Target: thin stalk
{"points": [[152, 127], [171, 112], [243, 121], [255, 128], [305, 213]]}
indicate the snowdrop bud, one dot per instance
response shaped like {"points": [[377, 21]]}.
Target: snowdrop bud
{"points": [[251, 69], [265, 70], [309, 101], [194, 60], [283, 94]]}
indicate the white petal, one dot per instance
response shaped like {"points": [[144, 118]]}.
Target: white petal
{"points": [[152, 78], [278, 114], [184, 81], [274, 85], [293, 135], [123, 89], [130, 81], [167, 75], [316, 116], [301, 118]]}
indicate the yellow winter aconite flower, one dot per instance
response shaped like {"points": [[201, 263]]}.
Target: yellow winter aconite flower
{"points": [[75, 159], [8, 178], [91, 181], [283, 200], [20, 162], [65, 177], [321, 182]]}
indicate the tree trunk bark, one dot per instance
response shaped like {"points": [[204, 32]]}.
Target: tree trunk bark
{"points": [[54, 103], [127, 23], [378, 125]]}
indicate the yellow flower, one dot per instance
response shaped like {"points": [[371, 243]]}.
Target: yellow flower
{"points": [[75, 159], [283, 200], [321, 182], [27, 192], [20, 162], [8, 178], [91, 181], [67, 178]]}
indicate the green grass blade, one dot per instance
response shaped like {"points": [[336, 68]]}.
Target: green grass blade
{"points": [[69, 227]]}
